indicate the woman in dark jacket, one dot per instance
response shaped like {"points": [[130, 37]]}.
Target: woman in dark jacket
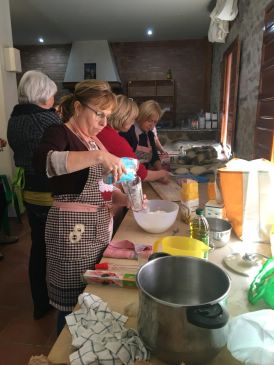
{"points": [[141, 137], [28, 121]]}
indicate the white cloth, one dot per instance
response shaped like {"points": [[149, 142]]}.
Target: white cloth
{"points": [[100, 337], [218, 31], [224, 11]]}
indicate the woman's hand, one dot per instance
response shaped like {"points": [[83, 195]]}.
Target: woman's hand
{"points": [[113, 164], [145, 200], [164, 176]]}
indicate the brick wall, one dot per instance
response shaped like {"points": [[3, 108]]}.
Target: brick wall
{"points": [[189, 61], [52, 60]]}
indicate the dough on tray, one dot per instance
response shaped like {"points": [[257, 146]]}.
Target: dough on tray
{"points": [[181, 170]]}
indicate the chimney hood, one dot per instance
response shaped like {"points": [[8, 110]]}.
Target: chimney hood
{"points": [[91, 52]]}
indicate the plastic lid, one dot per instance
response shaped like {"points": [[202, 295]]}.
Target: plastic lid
{"points": [[102, 266], [199, 211]]}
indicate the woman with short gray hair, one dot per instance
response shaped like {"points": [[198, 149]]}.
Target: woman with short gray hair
{"points": [[28, 121], [36, 88]]}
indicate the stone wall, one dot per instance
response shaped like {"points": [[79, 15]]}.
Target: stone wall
{"points": [[249, 27]]}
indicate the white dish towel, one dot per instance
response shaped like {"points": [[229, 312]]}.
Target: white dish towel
{"points": [[100, 337]]}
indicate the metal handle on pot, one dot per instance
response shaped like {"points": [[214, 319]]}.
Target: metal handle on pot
{"points": [[210, 316]]}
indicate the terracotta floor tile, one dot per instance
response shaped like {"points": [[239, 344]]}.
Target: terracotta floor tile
{"points": [[6, 316], [28, 331], [19, 354], [20, 335], [16, 295]]}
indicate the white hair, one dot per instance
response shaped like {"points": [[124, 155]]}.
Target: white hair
{"points": [[35, 88]]}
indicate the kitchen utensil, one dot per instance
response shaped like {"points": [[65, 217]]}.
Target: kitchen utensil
{"points": [[134, 191], [158, 216], [181, 246], [182, 314], [248, 264], [219, 231], [156, 255]]}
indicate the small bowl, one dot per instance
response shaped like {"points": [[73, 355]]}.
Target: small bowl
{"points": [[219, 231], [158, 216]]}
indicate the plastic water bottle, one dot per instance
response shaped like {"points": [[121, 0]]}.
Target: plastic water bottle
{"points": [[199, 228]]}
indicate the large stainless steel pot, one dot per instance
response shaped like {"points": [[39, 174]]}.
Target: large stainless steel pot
{"points": [[182, 311]]}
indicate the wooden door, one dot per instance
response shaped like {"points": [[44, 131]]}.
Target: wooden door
{"points": [[264, 129], [229, 94]]}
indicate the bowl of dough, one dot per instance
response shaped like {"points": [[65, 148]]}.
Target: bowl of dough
{"points": [[158, 216]]}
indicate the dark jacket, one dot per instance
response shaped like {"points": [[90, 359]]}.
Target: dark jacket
{"points": [[130, 136], [26, 127]]}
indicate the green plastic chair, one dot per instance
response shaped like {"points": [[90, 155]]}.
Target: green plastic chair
{"points": [[8, 196]]}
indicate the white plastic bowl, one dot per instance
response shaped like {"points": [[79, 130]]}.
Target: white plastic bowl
{"points": [[158, 216]]}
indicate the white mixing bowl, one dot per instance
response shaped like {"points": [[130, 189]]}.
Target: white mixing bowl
{"points": [[158, 216]]}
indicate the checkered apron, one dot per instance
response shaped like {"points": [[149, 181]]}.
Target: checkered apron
{"points": [[75, 242]]}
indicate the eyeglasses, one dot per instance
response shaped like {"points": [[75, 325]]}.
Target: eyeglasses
{"points": [[99, 115]]}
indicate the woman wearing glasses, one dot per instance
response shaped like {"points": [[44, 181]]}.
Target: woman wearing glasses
{"points": [[141, 137], [79, 223]]}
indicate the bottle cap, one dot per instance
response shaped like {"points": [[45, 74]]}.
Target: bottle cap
{"points": [[102, 266], [199, 211]]}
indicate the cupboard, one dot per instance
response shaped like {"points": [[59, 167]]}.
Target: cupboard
{"points": [[162, 91]]}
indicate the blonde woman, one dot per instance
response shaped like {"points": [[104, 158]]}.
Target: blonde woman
{"points": [[79, 223], [123, 120], [141, 137]]}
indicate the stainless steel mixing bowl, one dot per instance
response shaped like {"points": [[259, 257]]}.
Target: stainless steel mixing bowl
{"points": [[219, 231]]}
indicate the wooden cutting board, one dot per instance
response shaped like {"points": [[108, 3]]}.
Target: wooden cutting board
{"points": [[171, 191]]}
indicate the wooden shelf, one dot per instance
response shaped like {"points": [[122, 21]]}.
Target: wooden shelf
{"points": [[162, 91]]}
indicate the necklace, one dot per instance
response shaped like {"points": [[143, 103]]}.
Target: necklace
{"points": [[85, 138]]}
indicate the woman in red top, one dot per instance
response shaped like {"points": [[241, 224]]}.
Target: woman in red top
{"points": [[121, 121]]}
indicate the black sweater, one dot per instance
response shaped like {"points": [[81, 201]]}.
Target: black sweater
{"points": [[26, 127], [130, 136]]}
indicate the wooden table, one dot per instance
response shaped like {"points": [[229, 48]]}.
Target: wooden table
{"points": [[119, 298]]}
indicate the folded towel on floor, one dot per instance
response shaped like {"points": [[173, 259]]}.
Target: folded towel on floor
{"points": [[125, 249], [100, 337]]}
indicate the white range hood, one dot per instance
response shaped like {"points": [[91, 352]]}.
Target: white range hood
{"points": [[86, 52]]}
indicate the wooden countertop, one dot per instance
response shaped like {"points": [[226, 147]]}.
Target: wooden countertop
{"points": [[119, 298]]}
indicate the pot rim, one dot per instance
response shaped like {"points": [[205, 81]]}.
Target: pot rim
{"points": [[176, 305]]}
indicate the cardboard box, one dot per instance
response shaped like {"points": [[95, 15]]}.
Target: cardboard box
{"points": [[106, 277], [214, 210]]}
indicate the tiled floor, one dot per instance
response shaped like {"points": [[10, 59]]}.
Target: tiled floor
{"points": [[20, 335]]}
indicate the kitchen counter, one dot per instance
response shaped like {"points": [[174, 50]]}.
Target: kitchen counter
{"points": [[119, 298]]}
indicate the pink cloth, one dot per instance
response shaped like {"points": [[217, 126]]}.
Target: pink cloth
{"points": [[124, 249]]}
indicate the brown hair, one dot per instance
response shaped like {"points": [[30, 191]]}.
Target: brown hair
{"points": [[147, 108], [126, 109], [95, 91]]}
